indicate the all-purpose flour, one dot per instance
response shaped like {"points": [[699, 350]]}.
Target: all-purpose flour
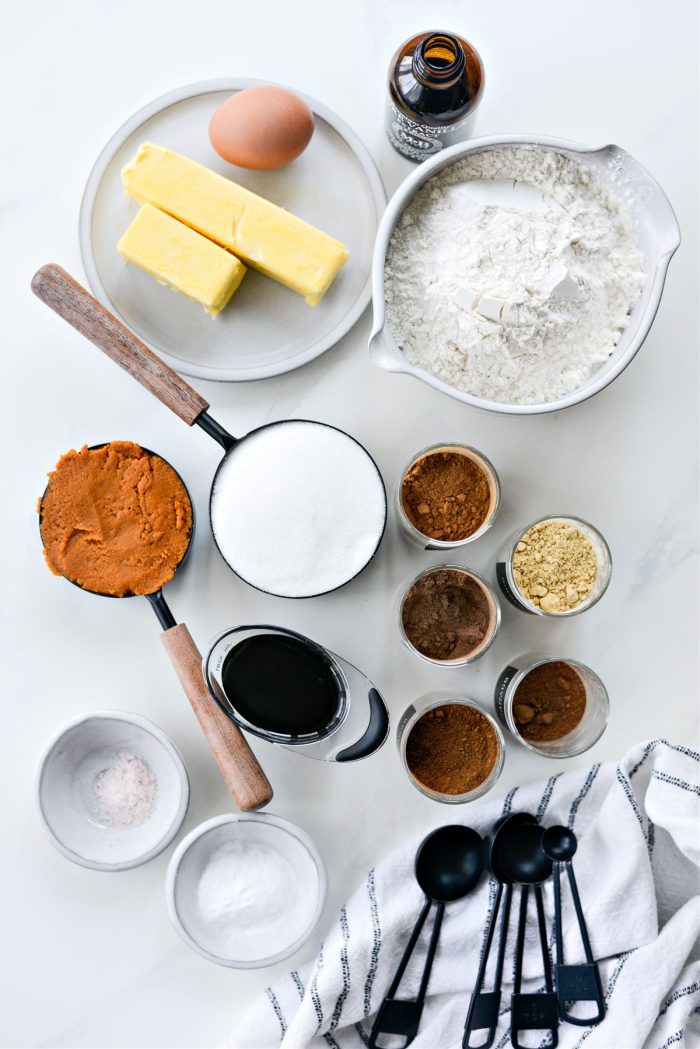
{"points": [[511, 275]]}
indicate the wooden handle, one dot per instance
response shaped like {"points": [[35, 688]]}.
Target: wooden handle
{"points": [[71, 301], [239, 766]]}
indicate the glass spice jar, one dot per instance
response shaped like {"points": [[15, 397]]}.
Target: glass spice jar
{"points": [[582, 735], [435, 82], [428, 542], [505, 571], [480, 774], [445, 583]]}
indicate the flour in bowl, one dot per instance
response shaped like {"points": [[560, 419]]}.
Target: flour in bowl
{"points": [[511, 275]]}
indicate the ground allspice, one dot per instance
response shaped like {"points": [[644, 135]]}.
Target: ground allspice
{"points": [[452, 749], [549, 702], [446, 495]]}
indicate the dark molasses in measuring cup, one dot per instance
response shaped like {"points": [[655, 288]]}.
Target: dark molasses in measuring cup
{"points": [[435, 83], [287, 689]]}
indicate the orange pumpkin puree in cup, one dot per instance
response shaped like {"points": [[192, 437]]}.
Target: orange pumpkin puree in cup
{"points": [[115, 520]]}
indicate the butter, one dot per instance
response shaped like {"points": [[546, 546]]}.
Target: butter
{"points": [[266, 237], [181, 258]]}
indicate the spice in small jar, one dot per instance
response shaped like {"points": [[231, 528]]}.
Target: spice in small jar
{"points": [[555, 566], [452, 749], [549, 702], [446, 495], [449, 615]]}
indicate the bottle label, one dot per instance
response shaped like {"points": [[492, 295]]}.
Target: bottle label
{"points": [[500, 692], [508, 590], [419, 141]]}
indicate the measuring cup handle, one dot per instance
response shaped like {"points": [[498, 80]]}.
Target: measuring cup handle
{"points": [[238, 765], [71, 301], [375, 734]]}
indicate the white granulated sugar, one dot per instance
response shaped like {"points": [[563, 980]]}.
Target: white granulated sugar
{"points": [[298, 508], [125, 791], [511, 275]]}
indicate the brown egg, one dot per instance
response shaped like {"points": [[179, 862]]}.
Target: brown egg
{"points": [[261, 127]]}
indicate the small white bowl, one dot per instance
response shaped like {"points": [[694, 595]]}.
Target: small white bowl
{"points": [[212, 939], [64, 786]]}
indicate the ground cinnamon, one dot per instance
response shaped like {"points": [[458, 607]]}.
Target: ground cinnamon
{"points": [[446, 495], [452, 749], [549, 702], [447, 614]]}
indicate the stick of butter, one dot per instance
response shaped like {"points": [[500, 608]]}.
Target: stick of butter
{"points": [[266, 237], [181, 258]]}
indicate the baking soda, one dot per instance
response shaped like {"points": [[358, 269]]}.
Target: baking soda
{"points": [[298, 508], [255, 899]]}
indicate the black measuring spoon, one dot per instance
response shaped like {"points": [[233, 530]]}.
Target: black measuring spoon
{"points": [[484, 1005], [66, 297], [521, 856], [449, 864], [574, 983], [237, 763]]}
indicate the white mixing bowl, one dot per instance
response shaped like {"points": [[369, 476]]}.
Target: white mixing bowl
{"points": [[656, 229]]}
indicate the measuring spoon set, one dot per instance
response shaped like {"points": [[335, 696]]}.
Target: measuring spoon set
{"points": [[517, 851]]}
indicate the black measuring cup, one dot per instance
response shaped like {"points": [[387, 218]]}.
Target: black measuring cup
{"points": [[449, 864], [523, 860], [238, 765], [73, 303], [574, 983], [484, 1005]]}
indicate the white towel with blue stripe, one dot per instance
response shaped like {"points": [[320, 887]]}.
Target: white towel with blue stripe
{"points": [[637, 868]]}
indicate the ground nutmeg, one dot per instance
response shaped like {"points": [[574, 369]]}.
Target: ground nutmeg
{"points": [[452, 749], [446, 495]]}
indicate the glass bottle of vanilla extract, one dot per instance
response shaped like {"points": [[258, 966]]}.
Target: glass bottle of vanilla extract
{"points": [[435, 83]]}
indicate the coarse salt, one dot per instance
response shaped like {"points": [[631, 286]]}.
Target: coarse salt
{"points": [[124, 791]]}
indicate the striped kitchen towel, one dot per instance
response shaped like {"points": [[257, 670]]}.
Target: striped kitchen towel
{"points": [[637, 868]]}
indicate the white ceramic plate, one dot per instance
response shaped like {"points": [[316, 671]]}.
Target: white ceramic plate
{"points": [[267, 329]]}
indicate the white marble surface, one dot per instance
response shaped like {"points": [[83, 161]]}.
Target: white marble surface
{"points": [[90, 959]]}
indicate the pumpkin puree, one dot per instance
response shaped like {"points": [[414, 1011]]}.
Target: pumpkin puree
{"points": [[115, 520]]}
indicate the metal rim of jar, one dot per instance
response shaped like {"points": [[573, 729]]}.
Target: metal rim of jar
{"points": [[464, 660], [486, 784], [583, 605], [494, 485], [510, 694]]}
